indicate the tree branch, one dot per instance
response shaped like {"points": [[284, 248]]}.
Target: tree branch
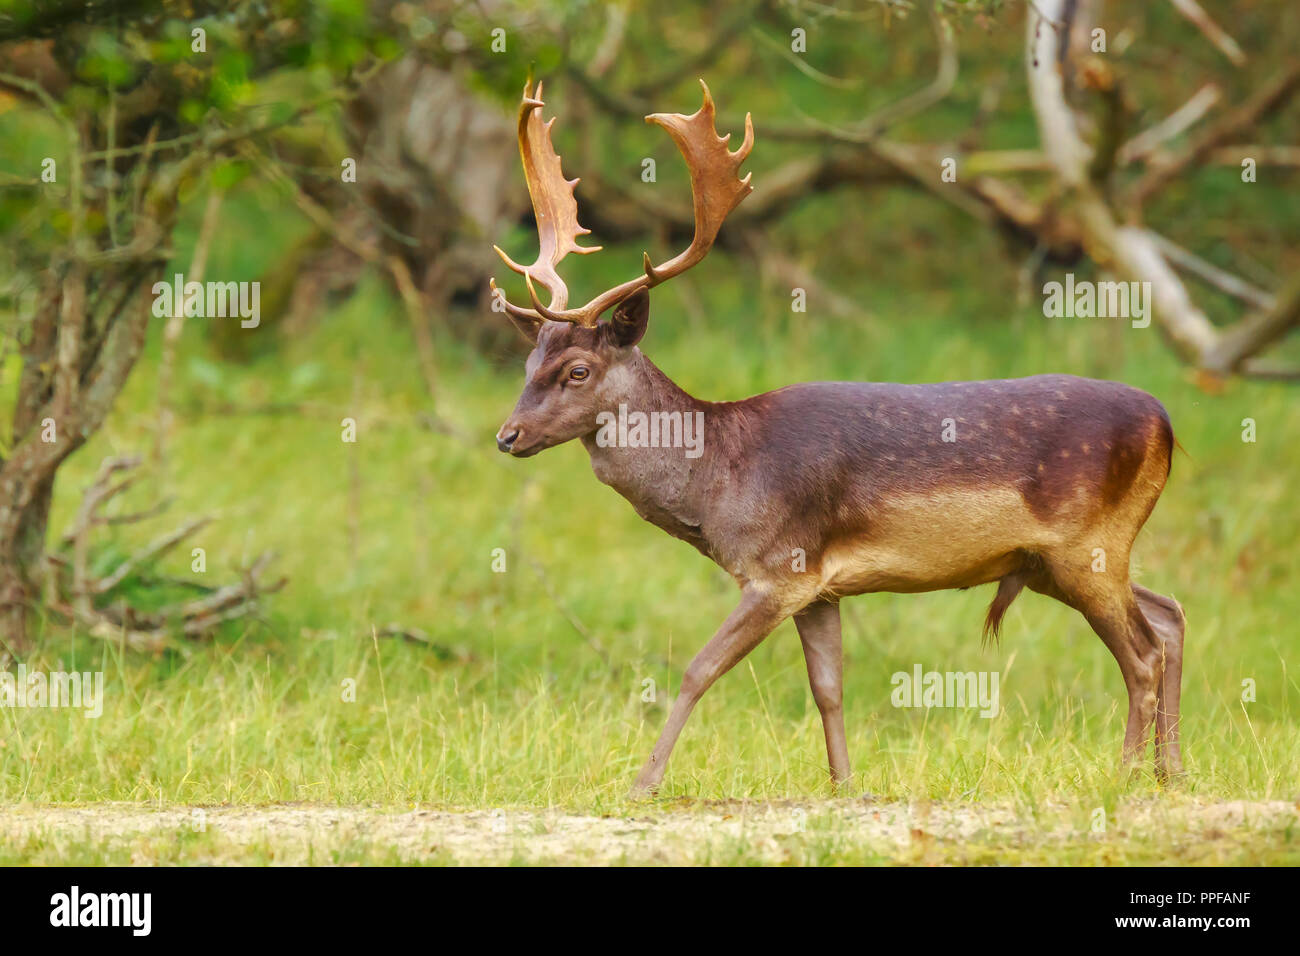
{"points": [[1232, 126]]}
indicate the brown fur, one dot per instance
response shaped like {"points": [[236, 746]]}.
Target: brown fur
{"points": [[858, 479]]}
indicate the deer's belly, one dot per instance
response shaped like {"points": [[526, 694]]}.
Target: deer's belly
{"points": [[937, 540]]}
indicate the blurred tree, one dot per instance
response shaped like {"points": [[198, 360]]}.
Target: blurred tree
{"points": [[1109, 212], [142, 99], [438, 145]]}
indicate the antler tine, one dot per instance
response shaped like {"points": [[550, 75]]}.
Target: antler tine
{"points": [[510, 308], [716, 190]]}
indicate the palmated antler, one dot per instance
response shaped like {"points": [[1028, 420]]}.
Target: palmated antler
{"points": [[554, 207], [716, 190]]}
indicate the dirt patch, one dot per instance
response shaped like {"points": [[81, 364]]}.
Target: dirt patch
{"points": [[676, 832]]}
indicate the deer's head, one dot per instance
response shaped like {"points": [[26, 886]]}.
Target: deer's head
{"points": [[573, 373], [579, 364]]}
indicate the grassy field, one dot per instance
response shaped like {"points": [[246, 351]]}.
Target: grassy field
{"points": [[530, 698]]}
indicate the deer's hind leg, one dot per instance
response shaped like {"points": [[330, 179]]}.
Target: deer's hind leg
{"points": [[1109, 604], [1165, 617]]}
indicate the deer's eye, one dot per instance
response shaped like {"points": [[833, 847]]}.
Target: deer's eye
{"points": [[579, 373]]}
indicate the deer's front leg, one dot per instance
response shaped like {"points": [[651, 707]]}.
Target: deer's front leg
{"points": [[743, 630], [819, 630]]}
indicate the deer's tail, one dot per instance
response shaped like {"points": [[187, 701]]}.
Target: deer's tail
{"points": [[1008, 588]]}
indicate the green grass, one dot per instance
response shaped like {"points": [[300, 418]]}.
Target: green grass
{"points": [[515, 708]]}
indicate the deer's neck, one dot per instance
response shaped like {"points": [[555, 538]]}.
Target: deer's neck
{"points": [[652, 447]]}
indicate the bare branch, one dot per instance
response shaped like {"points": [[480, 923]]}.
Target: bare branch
{"points": [[776, 265], [945, 78], [1251, 336], [1221, 279], [1213, 32], [1269, 371], [800, 64], [1187, 327], [153, 550], [1268, 99], [202, 625], [611, 41], [204, 612], [1264, 155], [1057, 131], [98, 492], [999, 161], [1175, 124], [119, 621]]}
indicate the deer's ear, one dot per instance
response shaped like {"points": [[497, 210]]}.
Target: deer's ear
{"points": [[529, 327], [630, 318]]}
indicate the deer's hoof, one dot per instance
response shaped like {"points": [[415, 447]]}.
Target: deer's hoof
{"points": [[1171, 776]]}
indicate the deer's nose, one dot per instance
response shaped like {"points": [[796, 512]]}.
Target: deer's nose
{"points": [[506, 442]]}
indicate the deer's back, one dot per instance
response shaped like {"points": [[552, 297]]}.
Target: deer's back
{"points": [[918, 487]]}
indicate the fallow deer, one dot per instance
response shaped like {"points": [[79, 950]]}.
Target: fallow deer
{"points": [[854, 477]]}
